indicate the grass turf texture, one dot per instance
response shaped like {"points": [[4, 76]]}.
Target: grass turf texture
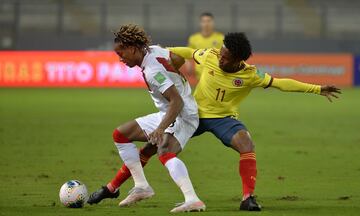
{"points": [[307, 153]]}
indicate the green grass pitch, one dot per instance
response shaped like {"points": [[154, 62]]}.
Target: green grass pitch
{"points": [[308, 153]]}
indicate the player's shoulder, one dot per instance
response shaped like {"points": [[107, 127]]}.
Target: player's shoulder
{"points": [[153, 61], [253, 72], [158, 51], [204, 54], [155, 52], [218, 34], [154, 73], [249, 68], [195, 35], [194, 38], [153, 68]]}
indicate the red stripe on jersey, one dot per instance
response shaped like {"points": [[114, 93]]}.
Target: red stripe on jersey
{"points": [[166, 64]]}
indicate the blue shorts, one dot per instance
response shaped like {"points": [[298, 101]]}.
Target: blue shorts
{"points": [[223, 128]]}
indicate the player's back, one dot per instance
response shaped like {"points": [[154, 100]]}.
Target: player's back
{"points": [[159, 75]]}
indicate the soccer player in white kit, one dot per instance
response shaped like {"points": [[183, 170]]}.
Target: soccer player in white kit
{"points": [[169, 129]]}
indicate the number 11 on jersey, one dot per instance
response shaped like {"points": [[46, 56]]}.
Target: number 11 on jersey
{"points": [[220, 92]]}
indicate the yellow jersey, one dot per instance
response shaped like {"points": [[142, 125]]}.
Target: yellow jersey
{"points": [[198, 41], [219, 93]]}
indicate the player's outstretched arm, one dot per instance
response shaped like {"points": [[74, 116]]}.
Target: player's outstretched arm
{"points": [[185, 52], [290, 85]]}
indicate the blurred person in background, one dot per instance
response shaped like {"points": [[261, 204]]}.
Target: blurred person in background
{"points": [[206, 38]]}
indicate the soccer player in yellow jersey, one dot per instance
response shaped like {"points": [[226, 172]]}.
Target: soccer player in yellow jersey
{"points": [[206, 38], [225, 81]]}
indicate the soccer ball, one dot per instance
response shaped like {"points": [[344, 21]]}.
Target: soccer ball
{"points": [[73, 194]]}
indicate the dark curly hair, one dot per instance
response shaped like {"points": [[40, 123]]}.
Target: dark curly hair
{"points": [[238, 45], [132, 35]]}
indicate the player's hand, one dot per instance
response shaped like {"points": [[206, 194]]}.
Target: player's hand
{"points": [[330, 91], [156, 137]]}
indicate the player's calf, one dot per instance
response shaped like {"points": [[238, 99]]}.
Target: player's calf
{"points": [[124, 174], [242, 143], [179, 174], [130, 155], [111, 190]]}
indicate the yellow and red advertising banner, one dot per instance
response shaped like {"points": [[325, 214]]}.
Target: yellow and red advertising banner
{"points": [[103, 69]]}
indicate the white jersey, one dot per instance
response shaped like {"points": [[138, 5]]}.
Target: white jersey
{"points": [[159, 75]]}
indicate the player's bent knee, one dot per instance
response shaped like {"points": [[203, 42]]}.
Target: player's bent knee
{"points": [[119, 137], [242, 142], [149, 150], [166, 157]]}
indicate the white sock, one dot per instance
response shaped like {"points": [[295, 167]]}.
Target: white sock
{"points": [[130, 155], [179, 174]]}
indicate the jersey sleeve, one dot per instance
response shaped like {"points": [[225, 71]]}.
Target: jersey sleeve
{"points": [[291, 85], [159, 80], [189, 53], [261, 79], [199, 56], [185, 52]]}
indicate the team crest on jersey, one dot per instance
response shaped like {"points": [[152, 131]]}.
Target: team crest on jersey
{"points": [[237, 82]]}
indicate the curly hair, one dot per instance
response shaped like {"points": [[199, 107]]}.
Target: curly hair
{"points": [[132, 35], [238, 45]]}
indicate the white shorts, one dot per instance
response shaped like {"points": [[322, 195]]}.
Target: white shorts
{"points": [[182, 129]]}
